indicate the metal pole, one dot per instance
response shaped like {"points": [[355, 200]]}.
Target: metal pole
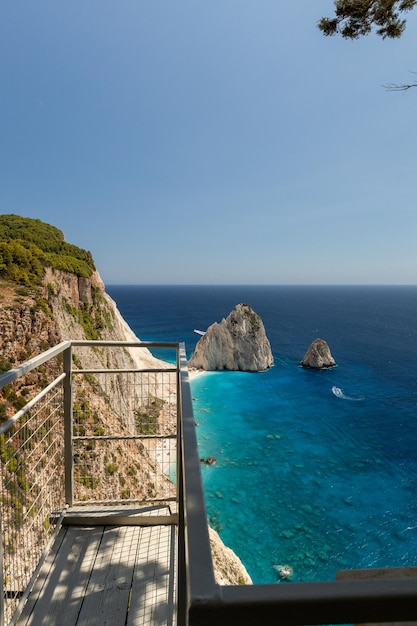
{"points": [[69, 456], [181, 569], [179, 421]]}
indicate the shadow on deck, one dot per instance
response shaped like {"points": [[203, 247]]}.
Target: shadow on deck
{"points": [[106, 567]]}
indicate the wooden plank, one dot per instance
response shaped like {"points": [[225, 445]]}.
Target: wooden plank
{"points": [[153, 582], [62, 594], [42, 578], [108, 592]]}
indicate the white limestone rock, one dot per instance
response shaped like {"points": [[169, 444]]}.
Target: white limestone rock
{"points": [[228, 568], [318, 355], [239, 342]]}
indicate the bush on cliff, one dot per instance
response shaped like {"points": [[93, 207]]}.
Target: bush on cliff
{"points": [[28, 245]]}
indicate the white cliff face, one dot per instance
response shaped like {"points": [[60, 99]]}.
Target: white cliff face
{"points": [[228, 568], [239, 342], [29, 328], [318, 355], [83, 310], [66, 293]]}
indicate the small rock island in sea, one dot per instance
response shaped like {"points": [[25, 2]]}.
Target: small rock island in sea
{"points": [[238, 343], [318, 355]]}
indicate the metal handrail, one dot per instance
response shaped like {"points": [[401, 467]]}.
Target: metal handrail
{"points": [[31, 364], [4, 427]]}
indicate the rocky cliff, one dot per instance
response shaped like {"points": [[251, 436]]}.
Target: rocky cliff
{"points": [[63, 305], [238, 342], [66, 306], [318, 355], [228, 568]]}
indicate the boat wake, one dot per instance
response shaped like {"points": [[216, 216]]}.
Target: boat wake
{"points": [[339, 394]]}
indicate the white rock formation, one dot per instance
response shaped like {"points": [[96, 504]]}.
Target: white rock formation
{"points": [[239, 342], [318, 355], [228, 568]]}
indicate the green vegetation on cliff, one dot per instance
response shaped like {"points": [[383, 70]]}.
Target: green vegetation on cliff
{"points": [[28, 245], [92, 316]]}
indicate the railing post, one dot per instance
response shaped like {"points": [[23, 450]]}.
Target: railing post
{"points": [[179, 422], [181, 569], [69, 456]]}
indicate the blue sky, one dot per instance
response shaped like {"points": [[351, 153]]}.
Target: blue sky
{"points": [[211, 142]]}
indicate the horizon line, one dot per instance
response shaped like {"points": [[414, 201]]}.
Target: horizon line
{"points": [[133, 284]]}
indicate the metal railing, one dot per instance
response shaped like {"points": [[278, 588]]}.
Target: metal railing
{"points": [[82, 425], [123, 415]]}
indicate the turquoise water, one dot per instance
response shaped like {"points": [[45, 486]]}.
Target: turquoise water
{"points": [[314, 470], [302, 478]]}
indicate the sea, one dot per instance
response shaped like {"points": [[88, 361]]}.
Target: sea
{"points": [[316, 471]]}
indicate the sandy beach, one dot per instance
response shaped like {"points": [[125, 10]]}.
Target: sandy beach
{"points": [[193, 373]]}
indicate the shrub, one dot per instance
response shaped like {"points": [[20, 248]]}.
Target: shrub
{"points": [[27, 246]]}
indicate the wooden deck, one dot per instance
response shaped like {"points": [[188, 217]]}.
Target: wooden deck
{"points": [[119, 571]]}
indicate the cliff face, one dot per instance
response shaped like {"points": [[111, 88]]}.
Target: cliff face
{"points": [[27, 325], [83, 310], [228, 568], [65, 306], [239, 342]]}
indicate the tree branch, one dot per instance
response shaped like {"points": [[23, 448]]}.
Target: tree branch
{"points": [[401, 86], [394, 87]]}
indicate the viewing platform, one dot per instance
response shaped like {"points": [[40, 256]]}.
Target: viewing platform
{"points": [[102, 509], [112, 566]]}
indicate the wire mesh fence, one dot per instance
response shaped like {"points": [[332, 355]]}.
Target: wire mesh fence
{"points": [[124, 436], [32, 490]]}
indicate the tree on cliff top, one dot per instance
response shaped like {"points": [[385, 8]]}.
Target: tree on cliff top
{"points": [[355, 18]]}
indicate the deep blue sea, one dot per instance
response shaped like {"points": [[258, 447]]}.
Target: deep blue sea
{"points": [[304, 477]]}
